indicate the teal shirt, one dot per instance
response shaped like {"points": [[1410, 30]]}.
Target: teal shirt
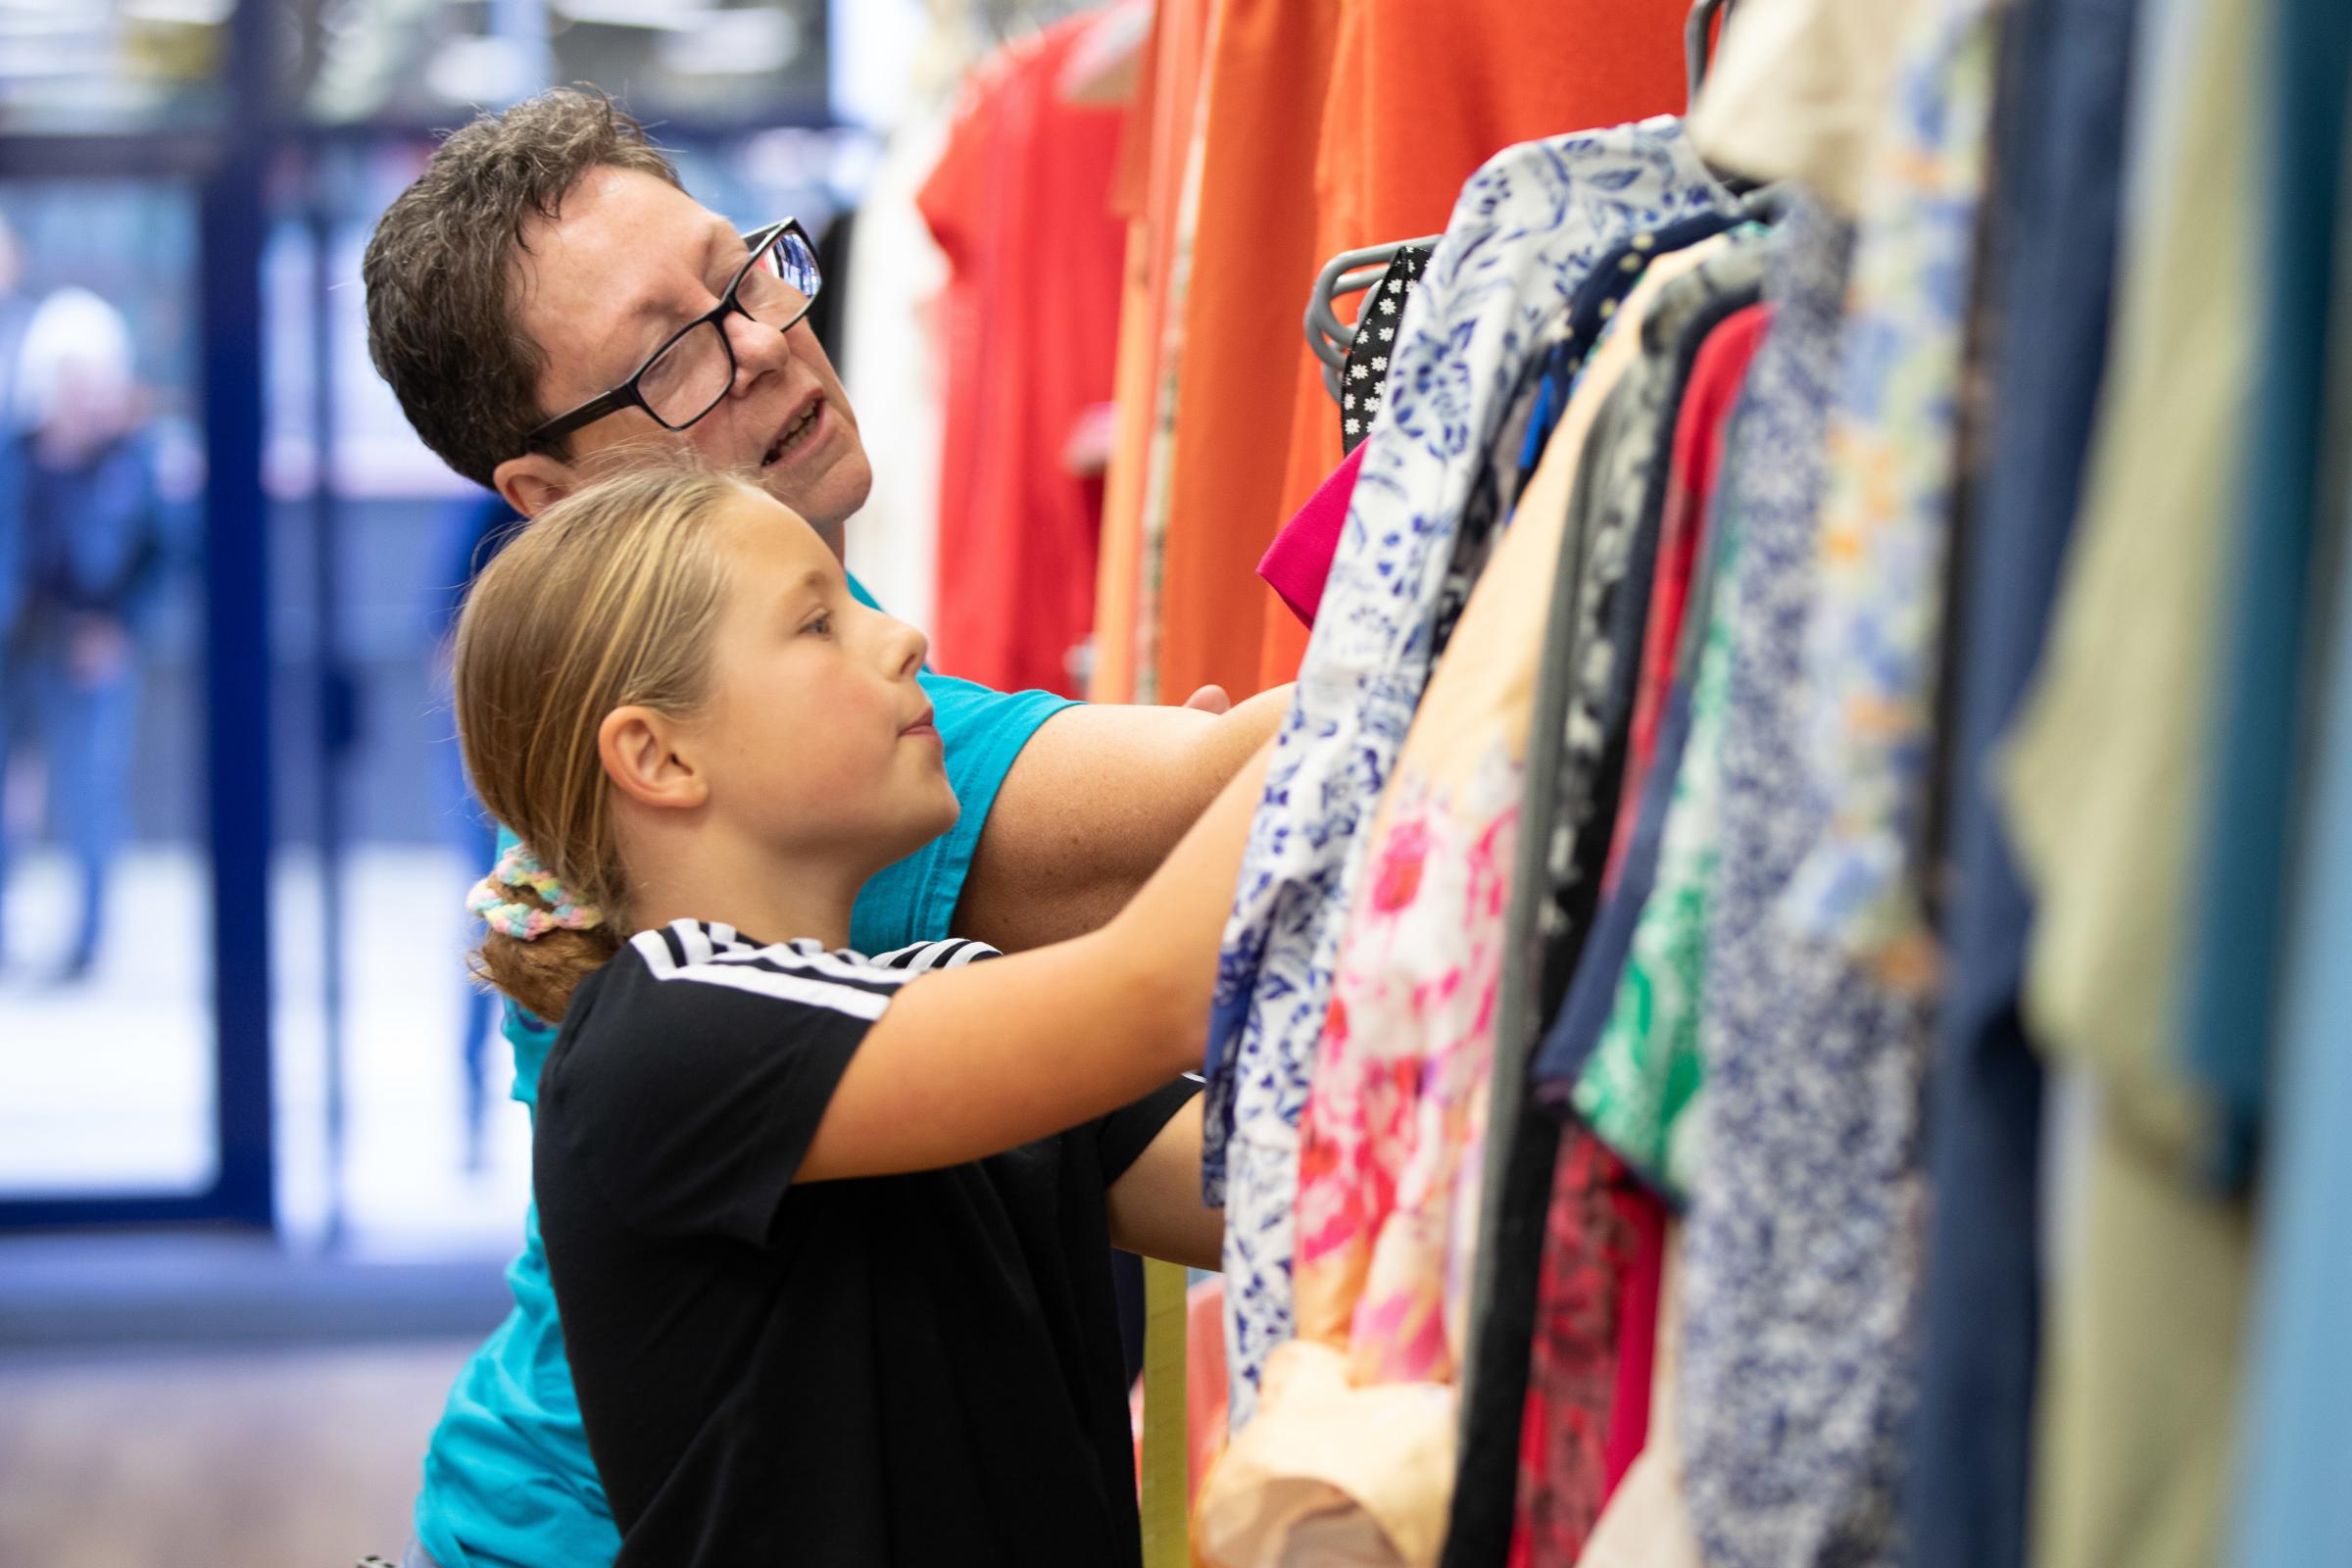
{"points": [[508, 1480]]}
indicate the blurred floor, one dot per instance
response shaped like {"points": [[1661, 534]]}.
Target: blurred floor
{"points": [[305, 1458]]}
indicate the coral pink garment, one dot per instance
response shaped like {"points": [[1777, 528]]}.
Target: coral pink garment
{"points": [[1297, 563], [1021, 205]]}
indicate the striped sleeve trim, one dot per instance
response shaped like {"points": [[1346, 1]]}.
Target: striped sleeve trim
{"points": [[953, 954], [684, 950]]}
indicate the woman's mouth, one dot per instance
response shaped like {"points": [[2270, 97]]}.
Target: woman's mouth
{"points": [[796, 435]]}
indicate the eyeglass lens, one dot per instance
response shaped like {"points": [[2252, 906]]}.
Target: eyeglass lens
{"points": [[689, 377]]}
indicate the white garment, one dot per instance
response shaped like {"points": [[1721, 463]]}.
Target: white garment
{"points": [[894, 372], [1798, 91]]}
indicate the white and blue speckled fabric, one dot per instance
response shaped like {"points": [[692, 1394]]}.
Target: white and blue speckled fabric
{"points": [[1525, 231]]}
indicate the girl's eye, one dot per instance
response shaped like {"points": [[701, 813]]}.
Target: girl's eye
{"points": [[823, 625]]}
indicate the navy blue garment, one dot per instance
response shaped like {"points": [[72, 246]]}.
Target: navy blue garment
{"points": [[2239, 914], [2059, 157]]}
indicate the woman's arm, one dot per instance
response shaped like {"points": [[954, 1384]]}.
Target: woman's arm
{"points": [[968, 1062], [1091, 807]]}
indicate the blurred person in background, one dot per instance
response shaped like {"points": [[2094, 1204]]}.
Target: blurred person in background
{"points": [[85, 552]]}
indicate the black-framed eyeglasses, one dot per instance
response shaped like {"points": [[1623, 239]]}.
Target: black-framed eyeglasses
{"points": [[690, 372]]}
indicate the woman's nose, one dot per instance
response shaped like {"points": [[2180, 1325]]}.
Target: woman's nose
{"points": [[758, 348]]}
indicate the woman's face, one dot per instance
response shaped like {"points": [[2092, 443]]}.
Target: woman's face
{"points": [[817, 738]]}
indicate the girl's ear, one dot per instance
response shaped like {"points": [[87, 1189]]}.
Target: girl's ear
{"points": [[642, 757]]}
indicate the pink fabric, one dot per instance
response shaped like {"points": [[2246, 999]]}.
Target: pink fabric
{"points": [[1299, 561]]}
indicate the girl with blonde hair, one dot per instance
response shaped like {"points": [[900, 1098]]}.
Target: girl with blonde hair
{"points": [[829, 1232]]}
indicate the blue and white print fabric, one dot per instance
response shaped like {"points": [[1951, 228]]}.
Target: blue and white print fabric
{"points": [[1799, 1238], [1526, 231], [1894, 481]]}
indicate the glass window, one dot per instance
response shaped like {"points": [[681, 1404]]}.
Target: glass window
{"points": [[106, 1084]]}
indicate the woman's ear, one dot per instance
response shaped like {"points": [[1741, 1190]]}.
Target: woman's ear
{"points": [[533, 482], [643, 758]]}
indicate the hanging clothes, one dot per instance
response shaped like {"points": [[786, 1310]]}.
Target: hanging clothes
{"points": [[2101, 777], [1394, 153], [1297, 564], [1526, 229], [1387, 1193], [2290, 1508], [1019, 204], [1660, 724], [1261, 114], [1575, 764], [1646, 1524], [1798, 91], [2058, 186], [1805, 1212], [1886, 517], [2299, 1427], [1799, 1209], [1365, 375], [1155, 172], [2238, 915]]}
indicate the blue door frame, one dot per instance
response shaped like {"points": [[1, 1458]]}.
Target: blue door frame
{"points": [[229, 168]]}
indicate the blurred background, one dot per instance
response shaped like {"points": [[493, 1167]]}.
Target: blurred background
{"points": [[258, 1173]]}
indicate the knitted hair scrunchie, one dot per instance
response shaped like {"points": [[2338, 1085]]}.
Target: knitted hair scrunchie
{"points": [[518, 868]]}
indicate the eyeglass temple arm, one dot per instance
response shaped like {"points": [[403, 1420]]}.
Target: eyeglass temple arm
{"points": [[596, 407]]}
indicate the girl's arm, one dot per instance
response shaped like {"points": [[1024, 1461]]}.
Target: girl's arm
{"points": [[1156, 1207], [968, 1062]]}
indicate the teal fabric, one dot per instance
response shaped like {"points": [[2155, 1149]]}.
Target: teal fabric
{"points": [[2228, 1016], [2293, 1506], [508, 1480]]}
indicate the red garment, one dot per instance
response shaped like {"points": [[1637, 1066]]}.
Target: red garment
{"points": [[1591, 1248], [1020, 203], [1717, 373], [1297, 563], [1637, 1332]]}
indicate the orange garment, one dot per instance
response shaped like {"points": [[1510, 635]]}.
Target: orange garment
{"points": [[1155, 141], [1252, 257], [1021, 205], [1418, 97]]}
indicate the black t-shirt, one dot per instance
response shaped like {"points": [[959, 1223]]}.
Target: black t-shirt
{"points": [[918, 1369]]}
